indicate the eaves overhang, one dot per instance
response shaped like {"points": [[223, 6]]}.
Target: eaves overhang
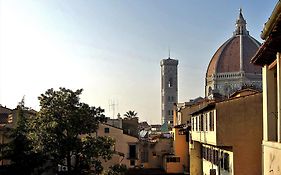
{"points": [[204, 107], [271, 33]]}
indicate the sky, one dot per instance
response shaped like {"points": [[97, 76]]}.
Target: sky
{"points": [[112, 48]]}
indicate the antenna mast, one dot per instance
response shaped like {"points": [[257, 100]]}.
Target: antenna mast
{"points": [[112, 106]]}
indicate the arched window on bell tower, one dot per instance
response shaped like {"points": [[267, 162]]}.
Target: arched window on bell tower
{"points": [[170, 82]]}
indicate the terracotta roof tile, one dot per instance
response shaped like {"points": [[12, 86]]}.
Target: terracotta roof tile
{"points": [[227, 57]]}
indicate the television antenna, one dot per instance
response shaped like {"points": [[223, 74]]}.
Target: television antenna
{"points": [[113, 105]]}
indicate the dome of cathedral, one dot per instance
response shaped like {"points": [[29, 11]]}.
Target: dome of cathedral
{"points": [[235, 54], [230, 69]]}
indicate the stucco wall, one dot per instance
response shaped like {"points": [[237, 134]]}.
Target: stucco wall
{"points": [[122, 142], [181, 149], [239, 124], [156, 152], [272, 158], [195, 158], [173, 167]]}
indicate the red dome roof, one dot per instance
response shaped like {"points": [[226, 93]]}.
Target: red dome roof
{"points": [[227, 57]]}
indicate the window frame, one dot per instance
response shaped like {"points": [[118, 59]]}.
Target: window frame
{"points": [[106, 130]]}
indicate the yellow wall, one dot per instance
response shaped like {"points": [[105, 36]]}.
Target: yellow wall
{"points": [[122, 142], [173, 167], [181, 150], [238, 125], [195, 158], [156, 152]]}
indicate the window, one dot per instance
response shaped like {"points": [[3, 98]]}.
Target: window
{"points": [[213, 171], [196, 121], [206, 122], [226, 161], [171, 98], [208, 154], [170, 83], [132, 151], [192, 124], [203, 152], [170, 112], [187, 136], [106, 130], [182, 132], [201, 122], [221, 156], [211, 121], [132, 162], [173, 159], [216, 157]]}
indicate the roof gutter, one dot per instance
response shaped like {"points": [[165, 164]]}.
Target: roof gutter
{"points": [[270, 24]]}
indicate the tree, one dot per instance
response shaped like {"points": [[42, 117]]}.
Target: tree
{"points": [[64, 129], [19, 150], [130, 114], [117, 169]]}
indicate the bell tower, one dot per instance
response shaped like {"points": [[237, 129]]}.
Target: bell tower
{"points": [[169, 89]]}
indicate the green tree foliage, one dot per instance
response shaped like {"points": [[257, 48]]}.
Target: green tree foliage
{"points": [[19, 150], [117, 170], [64, 129], [130, 114]]}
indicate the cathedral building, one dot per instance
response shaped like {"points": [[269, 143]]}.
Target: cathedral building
{"points": [[230, 69], [169, 89]]}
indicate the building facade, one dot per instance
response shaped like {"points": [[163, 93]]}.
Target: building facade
{"points": [[180, 149], [226, 137], [153, 151], [169, 89], [230, 69], [126, 147], [181, 129], [269, 57]]}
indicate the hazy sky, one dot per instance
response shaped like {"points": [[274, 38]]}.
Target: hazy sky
{"points": [[112, 48]]}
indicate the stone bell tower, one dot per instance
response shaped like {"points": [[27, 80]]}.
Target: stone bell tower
{"points": [[169, 89]]}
